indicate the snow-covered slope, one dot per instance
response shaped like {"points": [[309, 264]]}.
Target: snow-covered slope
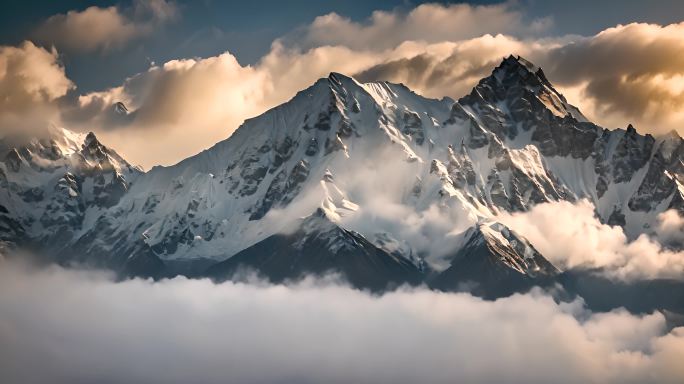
{"points": [[408, 174]]}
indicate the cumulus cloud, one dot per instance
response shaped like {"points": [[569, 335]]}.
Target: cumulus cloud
{"points": [[629, 72], [184, 104], [571, 236], [430, 23], [29, 75], [670, 229], [69, 326], [96, 28], [31, 79]]}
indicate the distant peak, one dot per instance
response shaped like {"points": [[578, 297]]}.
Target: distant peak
{"points": [[120, 108], [674, 134], [90, 138]]}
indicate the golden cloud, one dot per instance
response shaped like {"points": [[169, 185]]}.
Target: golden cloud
{"points": [[31, 79], [103, 28]]}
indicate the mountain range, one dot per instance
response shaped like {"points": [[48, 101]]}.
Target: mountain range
{"points": [[371, 181]]}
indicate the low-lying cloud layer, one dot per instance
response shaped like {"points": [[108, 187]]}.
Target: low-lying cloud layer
{"points": [[69, 326], [572, 237]]}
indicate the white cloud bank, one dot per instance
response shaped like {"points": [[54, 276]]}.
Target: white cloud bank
{"points": [[571, 237], [64, 326]]}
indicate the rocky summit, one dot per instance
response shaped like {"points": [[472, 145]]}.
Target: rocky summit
{"points": [[341, 179]]}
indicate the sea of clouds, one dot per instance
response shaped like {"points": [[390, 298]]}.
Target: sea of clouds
{"points": [[71, 326]]}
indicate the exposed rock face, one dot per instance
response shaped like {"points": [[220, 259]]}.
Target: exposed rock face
{"points": [[413, 127], [663, 178], [13, 160], [284, 187]]}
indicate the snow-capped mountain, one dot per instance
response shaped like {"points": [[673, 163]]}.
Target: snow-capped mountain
{"points": [[54, 186], [368, 179]]}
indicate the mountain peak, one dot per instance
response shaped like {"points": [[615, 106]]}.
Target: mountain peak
{"points": [[516, 69], [120, 108], [523, 86], [673, 134], [517, 61], [90, 139], [338, 81], [511, 249], [338, 77]]}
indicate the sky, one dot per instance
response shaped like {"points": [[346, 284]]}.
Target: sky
{"points": [[191, 72]]}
